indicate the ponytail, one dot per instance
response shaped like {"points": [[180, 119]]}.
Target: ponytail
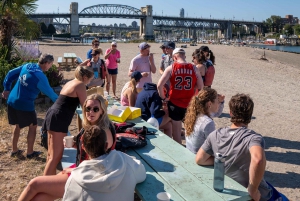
{"points": [[212, 57], [133, 83]]}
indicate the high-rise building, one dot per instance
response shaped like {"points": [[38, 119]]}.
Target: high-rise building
{"points": [[181, 14], [134, 24]]}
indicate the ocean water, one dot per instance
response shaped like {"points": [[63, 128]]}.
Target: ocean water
{"points": [[279, 47]]}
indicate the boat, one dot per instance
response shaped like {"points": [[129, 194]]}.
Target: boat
{"points": [[270, 41]]}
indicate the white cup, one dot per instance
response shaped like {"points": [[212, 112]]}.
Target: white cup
{"points": [[68, 141], [163, 196], [118, 59]]}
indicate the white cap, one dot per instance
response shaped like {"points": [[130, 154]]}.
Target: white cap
{"points": [[114, 43], [178, 50]]}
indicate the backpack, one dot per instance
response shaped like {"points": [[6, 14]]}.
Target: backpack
{"points": [[209, 74], [103, 70], [81, 155]]}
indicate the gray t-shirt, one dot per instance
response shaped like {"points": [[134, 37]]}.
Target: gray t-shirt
{"points": [[167, 61], [236, 144], [96, 66]]}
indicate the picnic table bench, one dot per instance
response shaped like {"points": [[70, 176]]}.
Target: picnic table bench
{"points": [[172, 168]]}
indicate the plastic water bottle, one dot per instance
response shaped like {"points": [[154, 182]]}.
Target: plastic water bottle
{"points": [[152, 121], [219, 172]]}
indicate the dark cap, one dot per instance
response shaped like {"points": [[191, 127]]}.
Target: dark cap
{"points": [[136, 75], [143, 46], [204, 48], [170, 45]]}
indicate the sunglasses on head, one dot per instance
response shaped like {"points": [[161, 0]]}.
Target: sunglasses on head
{"points": [[94, 109]]}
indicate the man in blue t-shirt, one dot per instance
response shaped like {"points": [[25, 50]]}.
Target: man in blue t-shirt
{"points": [[95, 44], [20, 100]]}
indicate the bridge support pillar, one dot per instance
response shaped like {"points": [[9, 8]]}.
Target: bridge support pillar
{"points": [[229, 30], [74, 21], [146, 27]]}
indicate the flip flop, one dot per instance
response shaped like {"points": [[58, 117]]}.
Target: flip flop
{"points": [[116, 98], [16, 153], [33, 154]]}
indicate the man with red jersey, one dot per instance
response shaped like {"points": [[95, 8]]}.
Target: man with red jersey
{"points": [[184, 79]]}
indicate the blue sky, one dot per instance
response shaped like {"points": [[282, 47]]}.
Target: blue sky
{"points": [[220, 9]]}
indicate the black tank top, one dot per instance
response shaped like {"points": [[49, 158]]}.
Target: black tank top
{"points": [[64, 102]]}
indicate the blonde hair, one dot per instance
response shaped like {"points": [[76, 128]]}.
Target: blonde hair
{"points": [[99, 50], [133, 85], [103, 121], [198, 105], [82, 71]]}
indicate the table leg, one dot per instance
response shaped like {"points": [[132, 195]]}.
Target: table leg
{"points": [[79, 123], [66, 62], [73, 62]]}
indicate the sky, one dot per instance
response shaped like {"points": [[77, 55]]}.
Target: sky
{"points": [[258, 10]]}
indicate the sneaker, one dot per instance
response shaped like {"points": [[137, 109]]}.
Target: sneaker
{"points": [[17, 153], [33, 155]]}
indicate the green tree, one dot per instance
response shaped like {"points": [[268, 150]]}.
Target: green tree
{"points": [[288, 29], [297, 29], [14, 22], [44, 28], [51, 29]]}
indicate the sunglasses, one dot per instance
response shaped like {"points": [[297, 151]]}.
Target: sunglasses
{"points": [[97, 44], [114, 46], [94, 109]]}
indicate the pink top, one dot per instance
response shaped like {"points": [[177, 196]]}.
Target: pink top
{"points": [[111, 61], [141, 63], [124, 99]]}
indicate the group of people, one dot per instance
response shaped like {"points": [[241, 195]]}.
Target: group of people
{"points": [[183, 95]]}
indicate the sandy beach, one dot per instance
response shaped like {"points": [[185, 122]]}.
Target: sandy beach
{"points": [[273, 85]]}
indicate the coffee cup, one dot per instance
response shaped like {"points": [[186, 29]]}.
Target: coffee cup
{"points": [[68, 141], [163, 196]]}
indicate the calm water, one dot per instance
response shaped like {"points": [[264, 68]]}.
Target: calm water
{"points": [[279, 47]]}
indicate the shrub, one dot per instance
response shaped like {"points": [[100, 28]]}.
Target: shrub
{"points": [[27, 51], [54, 76]]}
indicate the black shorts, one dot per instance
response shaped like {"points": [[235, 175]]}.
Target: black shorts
{"points": [[22, 118], [113, 71], [176, 113], [57, 120]]}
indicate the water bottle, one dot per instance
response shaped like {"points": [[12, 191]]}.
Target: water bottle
{"points": [[219, 172], [152, 121]]}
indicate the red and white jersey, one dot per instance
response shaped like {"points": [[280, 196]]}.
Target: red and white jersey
{"points": [[183, 81]]}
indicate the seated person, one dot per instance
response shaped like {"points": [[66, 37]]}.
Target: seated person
{"points": [[129, 92], [244, 148], [94, 112], [111, 176], [198, 122], [151, 104]]}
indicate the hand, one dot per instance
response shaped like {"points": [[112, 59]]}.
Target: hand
{"points": [[221, 98], [67, 170], [113, 50], [145, 74], [5, 94], [151, 57], [254, 193]]}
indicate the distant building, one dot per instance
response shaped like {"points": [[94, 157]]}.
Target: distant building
{"points": [[93, 24], [181, 14], [134, 24], [289, 19], [115, 25], [122, 25]]}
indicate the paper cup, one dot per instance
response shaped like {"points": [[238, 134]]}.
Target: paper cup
{"points": [[118, 59], [68, 141], [163, 196]]}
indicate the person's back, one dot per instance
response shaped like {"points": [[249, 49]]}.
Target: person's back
{"points": [[111, 176]]}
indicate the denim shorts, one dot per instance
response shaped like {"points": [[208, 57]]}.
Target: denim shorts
{"points": [[113, 71]]}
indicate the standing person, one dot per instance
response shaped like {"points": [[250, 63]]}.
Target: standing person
{"points": [[168, 58], [184, 79], [244, 150], [95, 44], [129, 92], [209, 64], [97, 65], [198, 122], [144, 63], [59, 116], [20, 104], [199, 60], [112, 57]]}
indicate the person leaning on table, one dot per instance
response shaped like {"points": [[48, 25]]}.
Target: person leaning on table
{"points": [[31, 80], [244, 148]]}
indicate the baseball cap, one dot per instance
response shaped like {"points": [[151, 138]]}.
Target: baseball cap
{"points": [[204, 48], [114, 43], [143, 45], [170, 45], [178, 50], [136, 75]]}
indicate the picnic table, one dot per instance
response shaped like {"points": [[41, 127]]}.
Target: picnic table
{"points": [[71, 56], [172, 168]]}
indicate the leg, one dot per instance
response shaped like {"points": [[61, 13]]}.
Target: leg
{"points": [[114, 84], [166, 124], [15, 138], [55, 151], [31, 138], [108, 82], [45, 188], [176, 127]]}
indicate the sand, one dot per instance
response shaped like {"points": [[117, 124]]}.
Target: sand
{"points": [[273, 85]]}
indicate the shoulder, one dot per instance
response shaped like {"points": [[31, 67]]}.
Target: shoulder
{"points": [[90, 50]]}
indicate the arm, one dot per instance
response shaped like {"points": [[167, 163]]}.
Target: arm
{"points": [[43, 86], [199, 79], [81, 93], [131, 97], [156, 106], [11, 76], [108, 53], [162, 67], [132, 67], [221, 107], [203, 158], [163, 80], [256, 170], [84, 63], [152, 64]]}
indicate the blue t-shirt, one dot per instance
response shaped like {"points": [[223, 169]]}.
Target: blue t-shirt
{"points": [[31, 81], [89, 54]]}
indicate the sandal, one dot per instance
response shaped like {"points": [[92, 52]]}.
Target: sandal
{"points": [[16, 153], [116, 98], [33, 154]]}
